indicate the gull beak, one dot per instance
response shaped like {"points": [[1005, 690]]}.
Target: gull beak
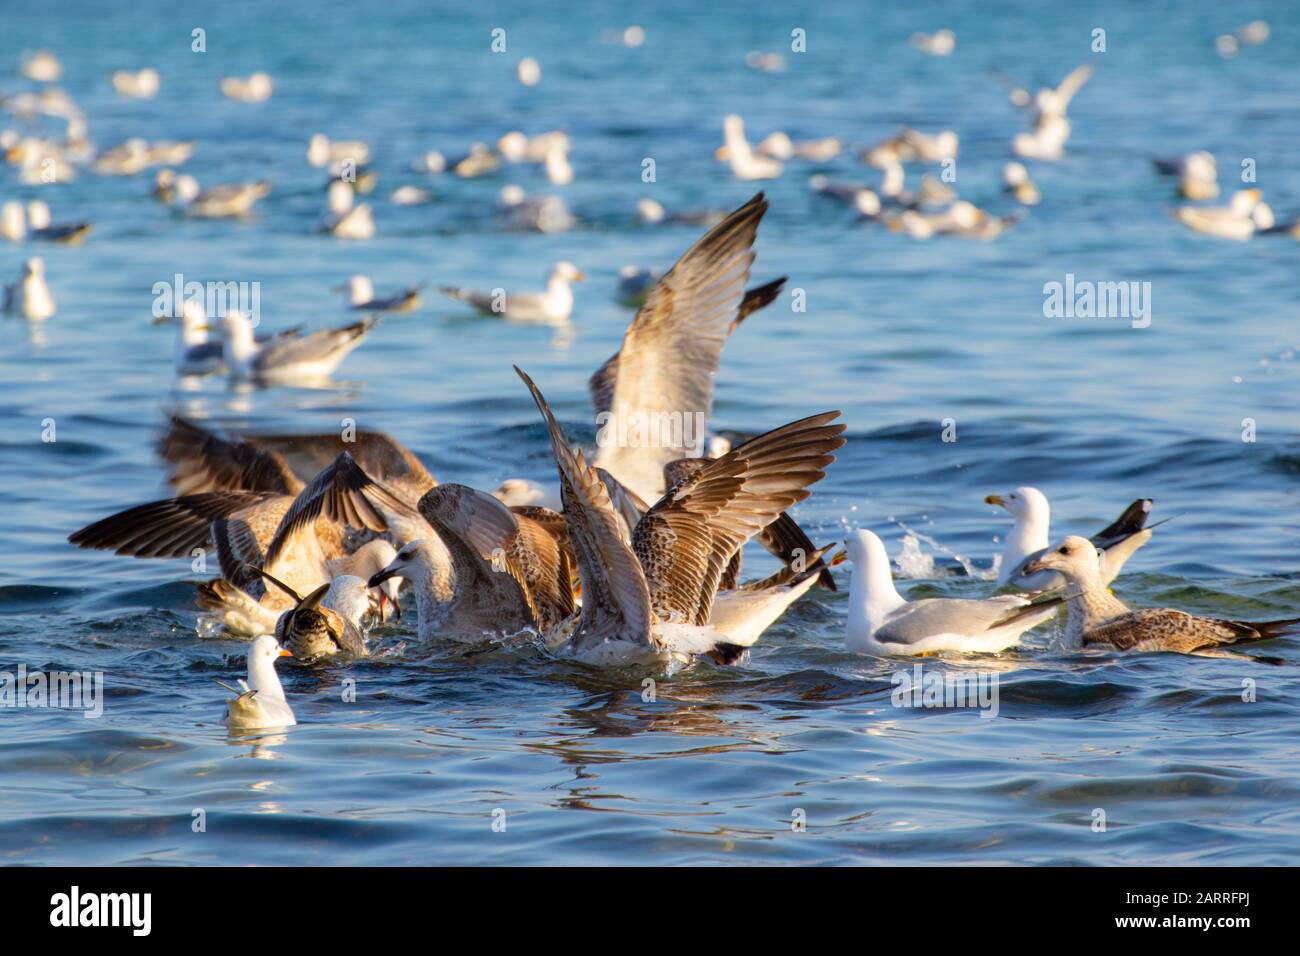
{"points": [[1033, 567], [839, 559], [580, 277], [397, 608], [285, 652], [995, 500], [381, 576]]}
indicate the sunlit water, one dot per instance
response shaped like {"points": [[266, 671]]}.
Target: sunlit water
{"points": [[900, 335]]}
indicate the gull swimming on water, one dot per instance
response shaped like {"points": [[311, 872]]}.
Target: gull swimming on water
{"points": [[1198, 174], [255, 89], [508, 569], [883, 622], [230, 201], [42, 66], [1029, 538], [361, 296], [939, 43], [1016, 181], [536, 213], [260, 700], [322, 152], [313, 356], [552, 306], [1242, 218], [1096, 618], [39, 225], [347, 220], [29, 296], [649, 598], [652, 211], [143, 85], [745, 163]]}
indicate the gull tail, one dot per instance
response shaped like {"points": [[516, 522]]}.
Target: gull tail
{"points": [[1132, 521]]}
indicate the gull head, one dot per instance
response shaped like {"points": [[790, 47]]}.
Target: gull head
{"points": [[417, 555], [715, 446], [318, 150], [1245, 200], [38, 214], [733, 128], [512, 195], [264, 651], [866, 202], [1025, 504], [1075, 557], [340, 197], [34, 267], [567, 272], [519, 492], [650, 210], [367, 561], [187, 188], [865, 549], [359, 289], [513, 146], [1014, 174], [350, 596]]}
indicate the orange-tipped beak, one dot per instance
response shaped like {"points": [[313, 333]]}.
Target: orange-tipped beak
{"points": [[285, 652], [839, 559]]}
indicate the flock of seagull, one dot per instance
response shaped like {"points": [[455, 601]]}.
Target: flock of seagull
{"points": [[632, 556]]}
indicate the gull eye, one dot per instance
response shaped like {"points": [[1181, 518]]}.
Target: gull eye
{"points": [[1064, 550]]}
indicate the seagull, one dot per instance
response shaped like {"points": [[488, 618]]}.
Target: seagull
{"points": [[652, 212], [322, 152], [779, 146], [143, 85], [326, 622], [40, 227], [533, 213], [633, 284], [1242, 218], [230, 201], [480, 161], [310, 357], [745, 163], [1016, 181], [1029, 538], [1198, 174], [346, 220], [648, 599], [361, 296], [882, 622], [552, 306], [260, 700], [30, 296], [508, 570], [939, 43], [556, 164], [255, 89], [304, 535], [1096, 618]]}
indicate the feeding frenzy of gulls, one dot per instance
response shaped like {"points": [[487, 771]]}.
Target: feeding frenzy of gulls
{"points": [[629, 555]]}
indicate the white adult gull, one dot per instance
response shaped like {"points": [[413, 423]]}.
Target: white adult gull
{"points": [[310, 357], [1030, 538], [744, 161], [360, 292], [259, 702], [883, 622], [552, 306]]}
